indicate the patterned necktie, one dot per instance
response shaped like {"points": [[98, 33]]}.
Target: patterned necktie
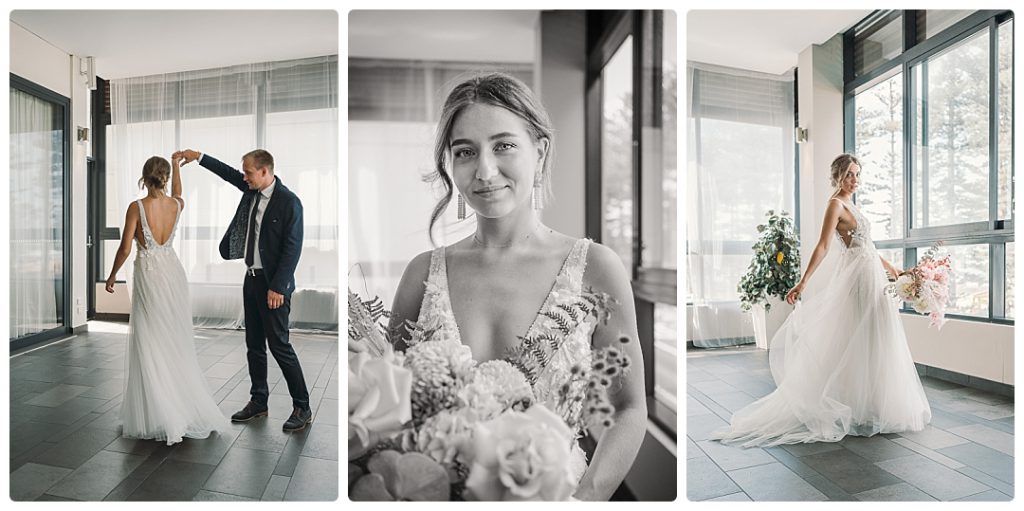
{"points": [[250, 243]]}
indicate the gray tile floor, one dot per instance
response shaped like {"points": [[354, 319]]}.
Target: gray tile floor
{"points": [[66, 442], [966, 453]]}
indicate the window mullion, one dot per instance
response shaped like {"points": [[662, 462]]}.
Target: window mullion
{"points": [[993, 122], [997, 280]]}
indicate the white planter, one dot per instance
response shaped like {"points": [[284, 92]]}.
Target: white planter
{"points": [[765, 325]]}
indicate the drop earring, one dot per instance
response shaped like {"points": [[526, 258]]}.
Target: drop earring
{"points": [[537, 194], [461, 207]]}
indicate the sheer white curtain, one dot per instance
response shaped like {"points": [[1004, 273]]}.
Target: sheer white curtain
{"points": [[37, 215], [741, 163], [289, 108], [393, 109]]}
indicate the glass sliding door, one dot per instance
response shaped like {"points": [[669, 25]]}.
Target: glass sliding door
{"points": [[38, 220]]}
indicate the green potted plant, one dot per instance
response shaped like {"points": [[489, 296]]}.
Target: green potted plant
{"points": [[773, 271]]}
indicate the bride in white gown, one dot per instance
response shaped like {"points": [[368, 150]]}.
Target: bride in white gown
{"points": [[840, 361], [166, 396], [488, 290]]}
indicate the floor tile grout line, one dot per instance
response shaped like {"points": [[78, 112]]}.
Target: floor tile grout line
{"points": [[968, 419]]}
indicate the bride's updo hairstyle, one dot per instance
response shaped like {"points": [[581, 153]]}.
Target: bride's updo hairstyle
{"points": [[495, 89], [841, 167], [155, 173]]}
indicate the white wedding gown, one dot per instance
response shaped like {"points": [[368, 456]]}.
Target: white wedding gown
{"points": [[840, 362], [166, 396]]}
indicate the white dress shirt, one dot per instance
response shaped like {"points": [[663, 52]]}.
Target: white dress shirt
{"points": [[257, 263]]}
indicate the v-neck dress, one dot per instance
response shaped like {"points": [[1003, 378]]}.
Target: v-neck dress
{"points": [[436, 316]]}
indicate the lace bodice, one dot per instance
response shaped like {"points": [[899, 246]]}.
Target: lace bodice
{"points": [[860, 236], [152, 247], [436, 316]]}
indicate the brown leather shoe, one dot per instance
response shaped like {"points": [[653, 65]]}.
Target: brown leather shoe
{"points": [[299, 419], [250, 412]]}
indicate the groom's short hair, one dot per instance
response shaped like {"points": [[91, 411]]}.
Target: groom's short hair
{"points": [[260, 159]]}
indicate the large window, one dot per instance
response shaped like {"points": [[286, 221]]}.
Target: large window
{"points": [[951, 114], [741, 165], [631, 92], [617, 152], [289, 108], [38, 220], [879, 125], [933, 126]]}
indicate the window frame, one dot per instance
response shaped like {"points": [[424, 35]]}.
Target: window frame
{"points": [[650, 285], [63, 103], [174, 111], [995, 232]]}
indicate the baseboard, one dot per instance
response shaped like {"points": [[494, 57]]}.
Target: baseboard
{"points": [[114, 317], [723, 342], [1002, 389], [80, 329]]}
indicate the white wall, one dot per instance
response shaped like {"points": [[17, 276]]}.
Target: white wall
{"points": [[977, 349], [820, 95], [562, 78], [38, 61]]}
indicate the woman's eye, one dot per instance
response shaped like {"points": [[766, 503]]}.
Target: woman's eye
{"points": [[463, 153], [504, 146]]}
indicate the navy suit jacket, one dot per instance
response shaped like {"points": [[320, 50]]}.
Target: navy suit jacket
{"points": [[280, 240]]}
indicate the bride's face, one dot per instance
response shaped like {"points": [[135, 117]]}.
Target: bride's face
{"points": [[852, 180], [495, 161]]}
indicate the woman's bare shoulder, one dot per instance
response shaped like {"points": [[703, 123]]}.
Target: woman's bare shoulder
{"points": [[414, 276], [605, 271], [410, 290], [419, 265]]}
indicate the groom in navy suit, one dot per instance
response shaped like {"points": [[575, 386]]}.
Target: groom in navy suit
{"points": [[267, 232]]}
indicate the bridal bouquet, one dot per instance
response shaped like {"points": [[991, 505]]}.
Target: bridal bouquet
{"points": [[433, 424], [926, 286]]}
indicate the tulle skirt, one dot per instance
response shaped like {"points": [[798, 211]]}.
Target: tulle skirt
{"points": [[166, 396], [841, 365]]}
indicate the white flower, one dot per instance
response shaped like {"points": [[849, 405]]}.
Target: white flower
{"points": [[439, 369], [494, 387], [378, 395], [447, 436], [522, 456], [904, 286]]}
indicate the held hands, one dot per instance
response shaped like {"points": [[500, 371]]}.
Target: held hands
{"points": [[794, 294], [187, 155], [274, 299]]}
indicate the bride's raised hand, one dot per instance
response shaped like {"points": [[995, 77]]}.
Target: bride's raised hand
{"points": [[794, 294]]}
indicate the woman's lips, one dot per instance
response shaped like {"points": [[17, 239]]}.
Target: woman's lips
{"points": [[489, 191]]}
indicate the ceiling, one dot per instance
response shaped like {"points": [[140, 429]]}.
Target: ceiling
{"points": [[768, 41], [145, 42], [487, 36]]}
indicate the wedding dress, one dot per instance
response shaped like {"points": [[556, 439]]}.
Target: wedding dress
{"points": [[166, 396], [840, 362], [436, 314]]}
